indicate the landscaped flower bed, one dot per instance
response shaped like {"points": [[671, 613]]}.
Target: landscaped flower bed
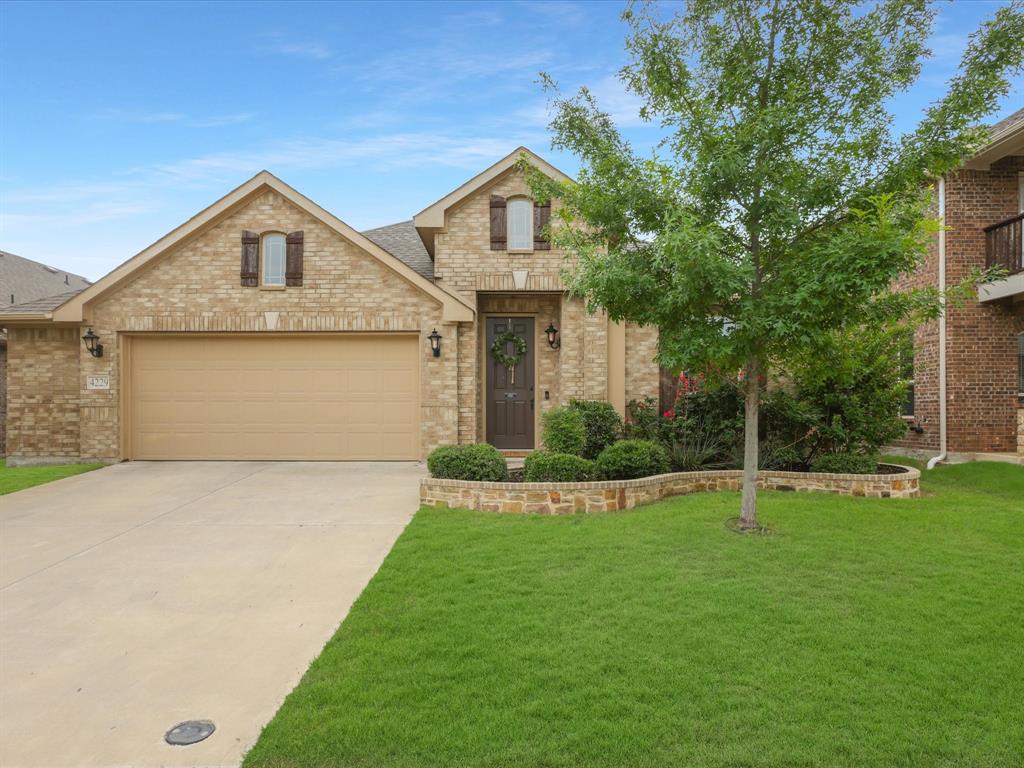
{"points": [[610, 495]]}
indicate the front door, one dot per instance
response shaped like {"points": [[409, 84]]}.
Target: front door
{"points": [[510, 390]]}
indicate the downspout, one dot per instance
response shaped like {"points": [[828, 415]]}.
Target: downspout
{"points": [[942, 326]]}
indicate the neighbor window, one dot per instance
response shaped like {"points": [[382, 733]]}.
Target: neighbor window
{"points": [[273, 259], [1020, 366], [906, 362], [520, 223]]}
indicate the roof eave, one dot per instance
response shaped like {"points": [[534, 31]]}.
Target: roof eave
{"points": [[455, 309], [1007, 142], [431, 219]]}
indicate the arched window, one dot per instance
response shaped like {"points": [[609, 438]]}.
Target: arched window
{"points": [[272, 259], [520, 223]]}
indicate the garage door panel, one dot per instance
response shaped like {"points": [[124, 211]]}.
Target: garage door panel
{"points": [[330, 397]]}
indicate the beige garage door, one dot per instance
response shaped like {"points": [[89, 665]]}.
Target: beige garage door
{"points": [[274, 397]]}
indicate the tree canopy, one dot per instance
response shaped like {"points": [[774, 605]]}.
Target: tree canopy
{"points": [[781, 206]]}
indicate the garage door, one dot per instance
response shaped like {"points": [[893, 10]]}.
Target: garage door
{"points": [[274, 397]]}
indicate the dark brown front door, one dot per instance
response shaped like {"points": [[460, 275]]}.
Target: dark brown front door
{"points": [[510, 393]]}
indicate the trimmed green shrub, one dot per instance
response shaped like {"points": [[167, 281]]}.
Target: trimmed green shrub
{"points": [[602, 425], [563, 431], [468, 462], [846, 463], [630, 459], [547, 467]]}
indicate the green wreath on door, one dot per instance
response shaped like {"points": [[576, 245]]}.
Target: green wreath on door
{"points": [[500, 355]]}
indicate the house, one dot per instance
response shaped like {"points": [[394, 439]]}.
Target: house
{"points": [[968, 368], [265, 327], [23, 280]]}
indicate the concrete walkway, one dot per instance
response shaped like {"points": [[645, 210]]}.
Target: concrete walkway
{"points": [[144, 594]]}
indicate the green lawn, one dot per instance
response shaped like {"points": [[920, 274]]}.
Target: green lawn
{"points": [[861, 633], [18, 478]]}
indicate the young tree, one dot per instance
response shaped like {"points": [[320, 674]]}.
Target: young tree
{"points": [[780, 207]]}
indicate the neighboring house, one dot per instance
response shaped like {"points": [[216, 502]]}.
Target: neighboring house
{"points": [[23, 280], [266, 328], [983, 341]]}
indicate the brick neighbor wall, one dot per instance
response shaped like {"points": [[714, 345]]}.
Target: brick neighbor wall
{"points": [[981, 340]]}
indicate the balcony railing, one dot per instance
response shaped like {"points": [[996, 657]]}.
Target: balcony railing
{"points": [[1004, 245]]}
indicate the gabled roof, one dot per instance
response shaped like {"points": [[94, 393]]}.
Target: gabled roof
{"points": [[432, 218], [455, 309], [1005, 138], [402, 240], [23, 280]]}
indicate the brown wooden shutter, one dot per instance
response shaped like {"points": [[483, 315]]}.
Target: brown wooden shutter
{"points": [[250, 269], [499, 234], [541, 219], [293, 259]]}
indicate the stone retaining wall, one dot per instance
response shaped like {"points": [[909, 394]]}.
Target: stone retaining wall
{"points": [[610, 495]]}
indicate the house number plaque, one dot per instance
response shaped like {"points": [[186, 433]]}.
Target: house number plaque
{"points": [[97, 382]]}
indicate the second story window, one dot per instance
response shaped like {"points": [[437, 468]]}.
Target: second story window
{"points": [[520, 223], [273, 259]]}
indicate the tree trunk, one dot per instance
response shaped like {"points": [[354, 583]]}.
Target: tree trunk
{"points": [[748, 509]]}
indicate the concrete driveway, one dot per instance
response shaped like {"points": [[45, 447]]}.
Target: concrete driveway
{"points": [[144, 594]]}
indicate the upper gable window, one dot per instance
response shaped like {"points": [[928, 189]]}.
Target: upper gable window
{"points": [[520, 223], [273, 259]]}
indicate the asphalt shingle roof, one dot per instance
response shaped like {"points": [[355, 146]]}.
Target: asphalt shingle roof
{"points": [[1008, 122], [42, 304], [26, 281], [403, 241]]}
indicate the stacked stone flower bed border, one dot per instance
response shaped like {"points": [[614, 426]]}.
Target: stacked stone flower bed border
{"points": [[611, 495]]}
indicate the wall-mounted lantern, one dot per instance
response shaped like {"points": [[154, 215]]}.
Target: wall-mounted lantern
{"points": [[91, 339], [435, 343], [553, 341]]}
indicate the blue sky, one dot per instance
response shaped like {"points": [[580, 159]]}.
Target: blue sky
{"points": [[120, 121]]}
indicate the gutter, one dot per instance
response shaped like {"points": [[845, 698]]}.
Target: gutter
{"points": [[942, 326]]}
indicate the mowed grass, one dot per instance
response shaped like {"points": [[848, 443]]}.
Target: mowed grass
{"points": [[18, 478], [860, 633]]}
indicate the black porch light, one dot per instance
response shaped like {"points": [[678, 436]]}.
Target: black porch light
{"points": [[91, 339], [553, 341], [435, 342]]}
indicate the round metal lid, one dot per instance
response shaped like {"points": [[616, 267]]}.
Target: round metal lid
{"points": [[189, 732]]}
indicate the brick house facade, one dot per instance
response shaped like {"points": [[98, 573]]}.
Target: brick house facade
{"points": [[208, 355], [984, 409]]}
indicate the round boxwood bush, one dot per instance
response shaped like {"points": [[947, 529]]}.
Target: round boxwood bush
{"points": [[629, 459], [468, 462], [548, 467], [563, 431], [846, 463], [602, 425]]}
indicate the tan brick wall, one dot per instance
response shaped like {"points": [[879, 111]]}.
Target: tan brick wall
{"points": [[981, 340], [3, 397], [465, 263], [642, 373], [196, 288], [42, 393]]}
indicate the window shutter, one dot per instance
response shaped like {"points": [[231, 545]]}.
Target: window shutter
{"points": [[293, 259], [498, 233], [541, 218], [250, 269]]}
